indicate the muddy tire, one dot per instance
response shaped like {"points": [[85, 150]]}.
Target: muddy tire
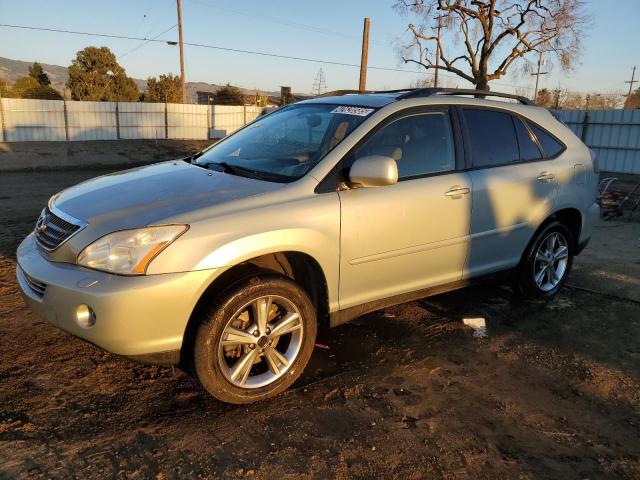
{"points": [[255, 340], [547, 262]]}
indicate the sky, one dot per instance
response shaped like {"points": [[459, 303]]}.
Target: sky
{"points": [[327, 30]]}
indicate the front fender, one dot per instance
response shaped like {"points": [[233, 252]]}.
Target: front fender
{"points": [[300, 240], [308, 225], [318, 245]]}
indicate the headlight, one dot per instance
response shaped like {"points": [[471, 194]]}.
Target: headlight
{"points": [[129, 252]]}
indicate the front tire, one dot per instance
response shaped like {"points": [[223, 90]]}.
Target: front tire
{"points": [[255, 340], [547, 262]]}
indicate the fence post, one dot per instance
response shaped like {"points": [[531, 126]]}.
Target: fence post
{"points": [[66, 120], [166, 122], [209, 122], [244, 111], [585, 124], [3, 127], [117, 121]]}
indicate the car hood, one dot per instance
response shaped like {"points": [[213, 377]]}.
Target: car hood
{"points": [[146, 195]]}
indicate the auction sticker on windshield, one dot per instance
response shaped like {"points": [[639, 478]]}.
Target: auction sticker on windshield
{"points": [[359, 111]]}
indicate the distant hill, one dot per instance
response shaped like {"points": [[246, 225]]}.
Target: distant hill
{"points": [[11, 70]]}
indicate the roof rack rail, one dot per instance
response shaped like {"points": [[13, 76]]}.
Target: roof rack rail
{"points": [[339, 93], [428, 92]]}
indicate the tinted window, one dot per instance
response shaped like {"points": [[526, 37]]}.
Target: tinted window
{"points": [[492, 136], [420, 144], [550, 145], [528, 148]]}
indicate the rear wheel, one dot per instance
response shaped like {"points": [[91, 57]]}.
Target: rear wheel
{"points": [[256, 340], [547, 262]]}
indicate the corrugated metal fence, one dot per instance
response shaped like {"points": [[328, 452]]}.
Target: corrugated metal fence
{"points": [[613, 134], [24, 120]]}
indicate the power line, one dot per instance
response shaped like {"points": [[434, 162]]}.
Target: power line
{"points": [[280, 21], [144, 42], [233, 50], [203, 45], [91, 34]]}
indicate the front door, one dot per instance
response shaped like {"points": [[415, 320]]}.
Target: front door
{"points": [[412, 235]]}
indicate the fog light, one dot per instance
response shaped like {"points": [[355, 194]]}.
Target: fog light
{"points": [[85, 316]]}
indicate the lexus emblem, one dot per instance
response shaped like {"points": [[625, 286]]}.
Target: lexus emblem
{"points": [[43, 224]]}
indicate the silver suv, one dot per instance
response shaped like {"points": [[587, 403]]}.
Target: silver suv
{"points": [[226, 262]]}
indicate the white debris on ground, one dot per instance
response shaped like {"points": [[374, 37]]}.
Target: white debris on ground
{"points": [[478, 324]]}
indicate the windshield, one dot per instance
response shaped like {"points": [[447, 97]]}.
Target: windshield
{"points": [[286, 144]]}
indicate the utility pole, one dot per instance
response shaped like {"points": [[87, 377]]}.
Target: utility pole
{"points": [[435, 76], [632, 81], [183, 83], [537, 75], [365, 55]]}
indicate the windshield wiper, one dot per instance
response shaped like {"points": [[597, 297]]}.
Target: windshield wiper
{"points": [[192, 158], [248, 172], [223, 167]]}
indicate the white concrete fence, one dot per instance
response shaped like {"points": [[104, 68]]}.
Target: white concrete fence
{"points": [[24, 120]]}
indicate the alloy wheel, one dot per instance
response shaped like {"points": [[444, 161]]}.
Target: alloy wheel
{"points": [[551, 261], [260, 342]]}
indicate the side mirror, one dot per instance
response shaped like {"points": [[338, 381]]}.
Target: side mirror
{"points": [[374, 171]]}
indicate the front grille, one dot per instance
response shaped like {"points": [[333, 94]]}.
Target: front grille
{"points": [[51, 230], [37, 287]]}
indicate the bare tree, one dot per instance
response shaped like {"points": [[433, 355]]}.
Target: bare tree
{"points": [[545, 98], [485, 38], [428, 82], [570, 100], [633, 100], [602, 101]]}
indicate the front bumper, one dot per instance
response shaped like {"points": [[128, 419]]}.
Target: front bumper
{"points": [[143, 317]]}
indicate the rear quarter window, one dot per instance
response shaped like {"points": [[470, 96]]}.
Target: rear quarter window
{"points": [[529, 151], [550, 146]]}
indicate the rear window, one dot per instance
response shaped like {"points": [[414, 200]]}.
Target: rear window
{"points": [[492, 136], [550, 145]]}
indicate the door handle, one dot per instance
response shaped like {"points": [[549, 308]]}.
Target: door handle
{"points": [[546, 177], [457, 191]]}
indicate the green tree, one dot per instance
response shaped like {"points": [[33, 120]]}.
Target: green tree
{"points": [[229, 95], [95, 75], [21, 86], [36, 71], [4, 88], [166, 89], [28, 87]]}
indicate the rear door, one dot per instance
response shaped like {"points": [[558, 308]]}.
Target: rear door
{"points": [[412, 235], [514, 188]]}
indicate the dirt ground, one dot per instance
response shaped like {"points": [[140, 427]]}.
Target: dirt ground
{"points": [[553, 391]]}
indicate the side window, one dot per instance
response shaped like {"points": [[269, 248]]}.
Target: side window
{"points": [[550, 145], [528, 149], [492, 136], [421, 144]]}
